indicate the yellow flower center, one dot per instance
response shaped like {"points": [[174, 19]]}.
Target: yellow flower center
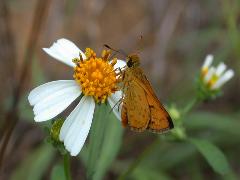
{"points": [[204, 72], [213, 80], [96, 76]]}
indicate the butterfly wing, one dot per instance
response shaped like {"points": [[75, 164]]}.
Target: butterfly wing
{"points": [[160, 120], [135, 111]]}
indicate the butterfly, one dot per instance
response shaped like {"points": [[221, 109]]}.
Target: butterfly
{"points": [[141, 109]]}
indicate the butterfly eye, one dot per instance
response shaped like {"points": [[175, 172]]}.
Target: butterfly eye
{"points": [[130, 62]]}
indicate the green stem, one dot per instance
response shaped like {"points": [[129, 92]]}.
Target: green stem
{"points": [[66, 162], [137, 161], [191, 105]]}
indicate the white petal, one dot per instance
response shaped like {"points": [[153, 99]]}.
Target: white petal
{"points": [[223, 79], [53, 105], [52, 98], [77, 125], [120, 64], [49, 88], [208, 61], [64, 51], [220, 69], [209, 75], [114, 101]]}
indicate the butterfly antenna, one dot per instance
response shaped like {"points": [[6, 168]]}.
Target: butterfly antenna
{"points": [[107, 46], [117, 51], [140, 44]]}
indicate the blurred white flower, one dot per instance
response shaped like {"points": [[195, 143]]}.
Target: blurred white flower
{"points": [[94, 77], [215, 77]]}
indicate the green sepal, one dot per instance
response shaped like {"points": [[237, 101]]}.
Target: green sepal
{"points": [[204, 93], [53, 136]]}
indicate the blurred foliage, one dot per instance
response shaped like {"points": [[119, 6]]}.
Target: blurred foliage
{"points": [[35, 165], [212, 154], [58, 172]]}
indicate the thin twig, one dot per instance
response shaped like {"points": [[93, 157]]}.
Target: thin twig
{"points": [[13, 118], [164, 35], [7, 51], [38, 20]]}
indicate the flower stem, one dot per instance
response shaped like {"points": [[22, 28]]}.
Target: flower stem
{"points": [[66, 162], [191, 105]]}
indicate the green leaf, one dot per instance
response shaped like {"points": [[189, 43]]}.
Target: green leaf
{"points": [[25, 110], [213, 155], [166, 156], [38, 76], [105, 140], [96, 138], [144, 173], [83, 155], [202, 120], [58, 173], [35, 164], [111, 145]]}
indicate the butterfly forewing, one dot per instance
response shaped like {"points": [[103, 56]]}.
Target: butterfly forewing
{"points": [[135, 110]]}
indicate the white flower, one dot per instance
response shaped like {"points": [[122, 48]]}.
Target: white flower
{"points": [[94, 77], [215, 77]]}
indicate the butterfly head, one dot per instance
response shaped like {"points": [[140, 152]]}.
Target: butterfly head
{"points": [[133, 60]]}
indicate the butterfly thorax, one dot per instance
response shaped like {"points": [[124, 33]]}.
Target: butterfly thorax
{"points": [[130, 75]]}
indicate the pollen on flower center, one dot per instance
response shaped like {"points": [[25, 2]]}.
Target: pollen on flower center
{"points": [[96, 76]]}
